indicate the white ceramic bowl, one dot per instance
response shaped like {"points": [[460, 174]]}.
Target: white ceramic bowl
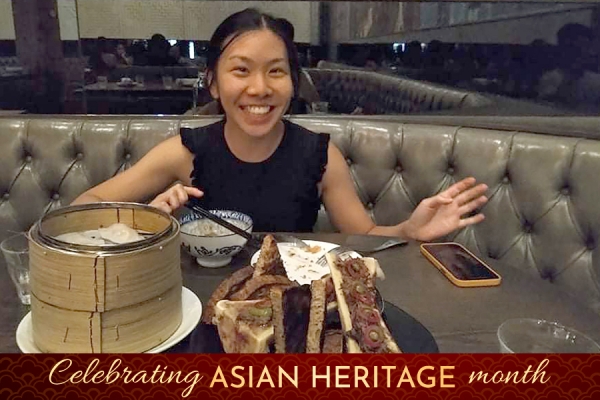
{"points": [[215, 246], [528, 335]]}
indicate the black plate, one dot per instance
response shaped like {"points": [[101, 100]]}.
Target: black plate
{"points": [[410, 335]]}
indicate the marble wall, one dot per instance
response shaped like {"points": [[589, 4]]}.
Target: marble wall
{"points": [[381, 21], [176, 19], [7, 26]]}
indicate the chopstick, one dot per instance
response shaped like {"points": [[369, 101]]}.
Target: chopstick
{"points": [[205, 213]]}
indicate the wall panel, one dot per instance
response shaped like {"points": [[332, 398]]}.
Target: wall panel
{"points": [[7, 25]]}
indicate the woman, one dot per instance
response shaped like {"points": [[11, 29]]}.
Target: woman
{"points": [[104, 59], [258, 163], [123, 59]]}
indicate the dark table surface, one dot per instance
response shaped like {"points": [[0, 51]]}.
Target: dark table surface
{"points": [[149, 98], [460, 319], [146, 87]]}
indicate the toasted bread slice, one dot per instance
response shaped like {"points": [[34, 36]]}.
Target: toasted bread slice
{"points": [[240, 334], [259, 283], [316, 320], [269, 260], [226, 288], [291, 318], [276, 297], [346, 317], [333, 341], [299, 317]]}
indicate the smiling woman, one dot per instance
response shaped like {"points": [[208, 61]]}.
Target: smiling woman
{"points": [[258, 163]]}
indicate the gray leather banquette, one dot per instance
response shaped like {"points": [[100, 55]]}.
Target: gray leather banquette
{"points": [[380, 93], [543, 214]]}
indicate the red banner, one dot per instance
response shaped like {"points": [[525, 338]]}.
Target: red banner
{"points": [[200, 376]]}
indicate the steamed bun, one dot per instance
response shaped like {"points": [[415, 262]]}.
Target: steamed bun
{"points": [[114, 234]]}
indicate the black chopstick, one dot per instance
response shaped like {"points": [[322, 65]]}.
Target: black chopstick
{"points": [[205, 213]]}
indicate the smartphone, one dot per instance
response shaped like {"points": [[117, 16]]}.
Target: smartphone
{"points": [[459, 265]]}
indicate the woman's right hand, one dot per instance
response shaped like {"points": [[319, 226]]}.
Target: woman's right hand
{"points": [[175, 197]]}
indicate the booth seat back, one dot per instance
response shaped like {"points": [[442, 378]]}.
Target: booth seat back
{"points": [[543, 214], [377, 93]]}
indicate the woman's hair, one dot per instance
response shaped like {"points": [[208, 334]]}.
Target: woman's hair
{"points": [[248, 20]]}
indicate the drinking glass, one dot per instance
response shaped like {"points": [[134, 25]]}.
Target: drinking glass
{"points": [[167, 82], [320, 107], [16, 253], [103, 82], [528, 335]]}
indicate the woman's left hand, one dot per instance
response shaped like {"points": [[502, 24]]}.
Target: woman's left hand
{"points": [[443, 213]]}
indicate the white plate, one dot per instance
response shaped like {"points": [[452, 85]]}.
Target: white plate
{"points": [[301, 265], [190, 305]]}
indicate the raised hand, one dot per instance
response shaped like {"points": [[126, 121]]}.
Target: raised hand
{"points": [[443, 213], [175, 197]]}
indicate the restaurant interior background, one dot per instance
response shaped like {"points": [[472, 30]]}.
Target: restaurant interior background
{"points": [[145, 56]]}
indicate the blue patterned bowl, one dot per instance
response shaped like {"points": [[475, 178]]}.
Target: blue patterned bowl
{"points": [[212, 245]]}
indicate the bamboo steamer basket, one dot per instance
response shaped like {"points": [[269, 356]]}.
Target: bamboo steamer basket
{"points": [[123, 298]]}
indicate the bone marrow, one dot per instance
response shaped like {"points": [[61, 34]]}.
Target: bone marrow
{"points": [[362, 324]]}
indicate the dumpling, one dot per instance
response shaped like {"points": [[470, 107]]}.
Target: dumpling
{"points": [[81, 238], [120, 233], [93, 234]]}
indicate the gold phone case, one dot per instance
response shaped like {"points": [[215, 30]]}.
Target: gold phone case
{"points": [[452, 278]]}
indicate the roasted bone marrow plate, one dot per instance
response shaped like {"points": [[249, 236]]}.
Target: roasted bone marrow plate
{"points": [[260, 310], [364, 329]]}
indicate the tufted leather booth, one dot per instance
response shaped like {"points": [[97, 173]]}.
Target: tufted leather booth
{"points": [[378, 93], [382, 94], [543, 215]]}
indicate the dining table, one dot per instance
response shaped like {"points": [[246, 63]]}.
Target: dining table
{"points": [[146, 87], [151, 97], [459, 319]]}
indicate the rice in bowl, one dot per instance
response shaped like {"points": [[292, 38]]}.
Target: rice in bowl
{"points": [[210, 243], [206, 227]]}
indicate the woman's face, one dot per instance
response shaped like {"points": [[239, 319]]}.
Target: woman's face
{"points": [[253, 82], [120, 49]]}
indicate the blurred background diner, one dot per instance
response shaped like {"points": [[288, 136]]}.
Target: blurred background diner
{"points": [[90, 56]]}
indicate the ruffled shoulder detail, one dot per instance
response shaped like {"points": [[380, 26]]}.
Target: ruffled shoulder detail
{"points": [[198, 141], [189, 137], [314, 146], [194, 138]]}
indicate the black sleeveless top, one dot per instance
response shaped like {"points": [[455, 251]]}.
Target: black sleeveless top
{"points": [[280, 193]]}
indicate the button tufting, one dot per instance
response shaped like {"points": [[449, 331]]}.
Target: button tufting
{"points": [[6, 196], [450, 170], [28, 159], [590, 244], [79, 156], [370, 206], [527, 228], [546, 273], [505, 180], [128, 156], [348, 161], [398, 169], [565, 191], [55, 196]]}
